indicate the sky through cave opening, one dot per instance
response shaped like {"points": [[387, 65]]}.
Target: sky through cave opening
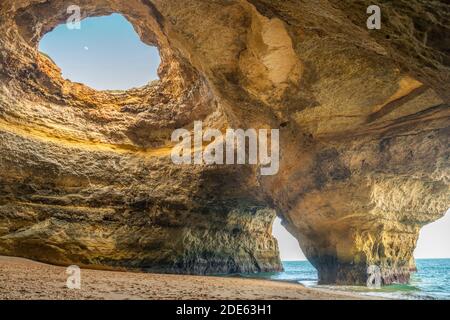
{"points": [[106, 53], [434, 239], [289, 247]]}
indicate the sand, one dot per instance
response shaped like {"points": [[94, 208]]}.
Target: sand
{"points": [[26, 279]]}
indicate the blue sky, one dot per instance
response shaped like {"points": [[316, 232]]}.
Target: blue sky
{"points": [[106, 53]]}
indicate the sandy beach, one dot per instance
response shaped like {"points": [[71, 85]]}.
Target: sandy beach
{"points": [[26, 279]]}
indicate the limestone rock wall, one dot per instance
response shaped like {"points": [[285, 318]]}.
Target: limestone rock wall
{"points": [[86, 176]]}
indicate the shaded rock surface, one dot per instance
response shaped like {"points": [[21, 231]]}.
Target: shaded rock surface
{"points": [[86, 176]]}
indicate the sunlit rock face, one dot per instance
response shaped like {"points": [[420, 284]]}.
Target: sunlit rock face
{"points": [[86, 176]]}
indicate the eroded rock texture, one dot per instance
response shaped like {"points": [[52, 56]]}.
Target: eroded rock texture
{"points": [[86, 176]]}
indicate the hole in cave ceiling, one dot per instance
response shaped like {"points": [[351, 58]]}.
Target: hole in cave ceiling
{"points": [[105, 53]]}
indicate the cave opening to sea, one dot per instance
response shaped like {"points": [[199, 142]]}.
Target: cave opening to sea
{"points": [[103, 53]]}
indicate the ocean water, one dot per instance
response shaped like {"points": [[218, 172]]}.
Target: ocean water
{"points": [[430, 282]]}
